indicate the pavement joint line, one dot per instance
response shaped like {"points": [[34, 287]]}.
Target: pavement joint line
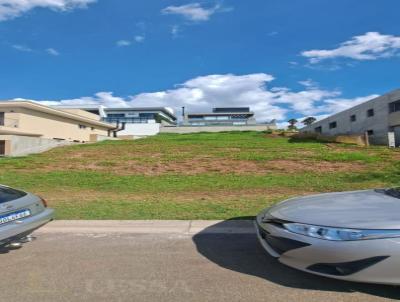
{"points": [[186, 227]]}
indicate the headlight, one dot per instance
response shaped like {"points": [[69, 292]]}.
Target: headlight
{"points": [[339, 234]]}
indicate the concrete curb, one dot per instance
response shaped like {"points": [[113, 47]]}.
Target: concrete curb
{"points": [[189, 227]]}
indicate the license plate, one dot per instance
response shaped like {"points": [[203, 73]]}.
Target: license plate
{"points": [[14, 216]]}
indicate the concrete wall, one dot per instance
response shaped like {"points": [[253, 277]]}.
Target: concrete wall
{"points": [[24, 145], [189, 129], [94, 138], [379, 123], [51, 126], [140, 129]]}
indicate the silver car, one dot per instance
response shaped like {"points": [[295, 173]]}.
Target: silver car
{"points": [[352, 236], [20, 214]]}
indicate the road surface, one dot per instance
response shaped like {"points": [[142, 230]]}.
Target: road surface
{"points": [[181, 261]]}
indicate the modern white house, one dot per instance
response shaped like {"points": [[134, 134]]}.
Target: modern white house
{"points": [[225, 116], [378, 118], [132, 121]]}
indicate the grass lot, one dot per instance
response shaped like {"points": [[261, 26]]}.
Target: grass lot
{"points": [[194, 176]]}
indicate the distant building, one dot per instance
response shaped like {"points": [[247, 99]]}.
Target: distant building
{"points": [[27, 127], [379, 118], [222, 116], [133, 121], [36, 120]]}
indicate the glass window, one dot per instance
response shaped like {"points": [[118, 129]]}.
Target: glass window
{"points": [[318, 129], [370, 132], [370, 112], [394, 107], [332, 125], [116, 115], [8, 194], [353, 118]]}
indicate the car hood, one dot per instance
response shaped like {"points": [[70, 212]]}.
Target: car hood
{"points": [[358, 209]]}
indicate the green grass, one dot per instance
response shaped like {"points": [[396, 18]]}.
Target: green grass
{"points": [[194, 176]]}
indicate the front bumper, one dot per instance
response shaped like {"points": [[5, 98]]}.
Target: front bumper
{"points": [[26, 225], [370, 261]]}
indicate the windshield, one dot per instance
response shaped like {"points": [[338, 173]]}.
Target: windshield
{"points": [[8, 194]]}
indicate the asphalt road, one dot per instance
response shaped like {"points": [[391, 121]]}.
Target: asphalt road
{"points": [[207, 266]]}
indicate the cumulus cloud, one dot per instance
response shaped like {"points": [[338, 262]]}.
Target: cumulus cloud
{"points": [[339, 104], [370, 46], [194, 11], [10, 9], [202, 93]]}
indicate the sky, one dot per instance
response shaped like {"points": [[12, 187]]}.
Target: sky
{"points": [[283, 58]]}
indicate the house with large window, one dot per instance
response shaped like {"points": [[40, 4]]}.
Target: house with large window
{"points": [[225, 116], [133, 121], [378, 118]]}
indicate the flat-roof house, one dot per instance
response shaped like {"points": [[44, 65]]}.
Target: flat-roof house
{"points": [[222, 116], [134, 121], [379, 118], [29, 119]]}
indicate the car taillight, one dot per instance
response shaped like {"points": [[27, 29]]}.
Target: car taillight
{"points": [[44, 202]]}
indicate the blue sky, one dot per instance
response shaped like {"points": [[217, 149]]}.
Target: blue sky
{"points": [[283, 58]]}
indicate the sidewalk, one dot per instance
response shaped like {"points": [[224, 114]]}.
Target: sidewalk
{"points": [[188, 227]]}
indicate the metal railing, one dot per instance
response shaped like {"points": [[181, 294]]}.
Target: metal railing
{"points": [[9, 122]]}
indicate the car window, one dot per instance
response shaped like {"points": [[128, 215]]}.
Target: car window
{"points": [[394, 192], [8, 194]]}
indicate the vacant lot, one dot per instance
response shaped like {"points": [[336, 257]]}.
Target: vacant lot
{"points": [[194, 176]]}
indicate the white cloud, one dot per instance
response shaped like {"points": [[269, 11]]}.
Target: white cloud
{"points": [[101, 98], [175, 30], [123, 43], [10, 9], [370, 46], [22, 48], [53, 52], [139, 38], [194, 11], [309, 83], [202, 93], [336, 105]]}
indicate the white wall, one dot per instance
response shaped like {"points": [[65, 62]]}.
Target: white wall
{"points": [[140, 129]]}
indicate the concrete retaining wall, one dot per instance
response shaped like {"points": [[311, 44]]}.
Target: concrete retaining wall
{"points": [[94, 138], [189, 129], [24, 145], [345, 139], [140, 130]]}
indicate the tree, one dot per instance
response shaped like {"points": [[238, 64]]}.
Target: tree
{"points": [[309, 120], [292, 124]]}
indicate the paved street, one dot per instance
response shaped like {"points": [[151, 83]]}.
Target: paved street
{"points": [[179, 262]]}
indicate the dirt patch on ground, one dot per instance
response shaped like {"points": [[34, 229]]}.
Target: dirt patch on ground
{"points": [[203, 165], [292, 166]]}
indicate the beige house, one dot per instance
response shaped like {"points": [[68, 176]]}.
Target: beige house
{"points": [[32, 120]]}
